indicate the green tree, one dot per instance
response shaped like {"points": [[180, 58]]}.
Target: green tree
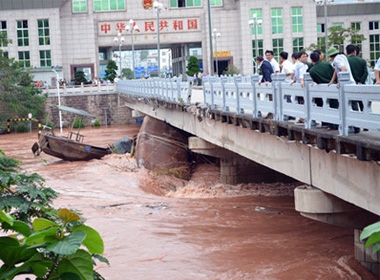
{"points": [[111, 70], [128, 73], [337, 35], [18, 94], [80, 77], [192, 66]]}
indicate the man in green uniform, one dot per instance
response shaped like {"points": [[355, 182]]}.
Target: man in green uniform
{"points": [[358, 65]]}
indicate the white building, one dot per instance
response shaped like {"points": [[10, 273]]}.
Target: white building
{"points": [[79, 34]]}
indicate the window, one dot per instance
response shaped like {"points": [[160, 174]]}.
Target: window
{"points": [[259, 16], [278, 47], [374, 25], [374, 49], [276, 21], [190, 3], [298, 44], [260, 48], [22, 33], [320, 28], [43, 32], [297, 25], [45, 58], [338, 24], [356, 26], [109, 5], [24, 59], [3, 34], [79, 6], [216, 2]]}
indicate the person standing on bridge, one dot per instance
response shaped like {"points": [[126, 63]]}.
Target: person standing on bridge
{"points": [[340, 64], [270, 57], [358, 65], [266, 70]]}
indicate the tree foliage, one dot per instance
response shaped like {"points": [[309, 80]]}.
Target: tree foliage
{"points": [[80, 77], [231, 70], [44, 242], [111, 70], [192, 66], [372, 235], [18, 95], [337, 35]]}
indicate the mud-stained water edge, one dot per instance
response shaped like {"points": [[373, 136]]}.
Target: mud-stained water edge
{"points": [[165, 228]]}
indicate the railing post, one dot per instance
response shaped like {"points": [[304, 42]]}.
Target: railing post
{"points": [[277, 79], [212, 81], [237, 80], [343, 78], [308, 81], [254, 80], [224, 80]]}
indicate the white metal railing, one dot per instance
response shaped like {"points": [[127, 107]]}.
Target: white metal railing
{"points": [[244, 95], [80, 89]]}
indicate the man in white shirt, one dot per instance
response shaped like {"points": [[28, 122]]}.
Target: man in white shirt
{"points": [[269, 55], [340, 64], [287, 67], [300, 68]]}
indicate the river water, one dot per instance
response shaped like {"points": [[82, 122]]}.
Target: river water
{"points": [[166, 228]]}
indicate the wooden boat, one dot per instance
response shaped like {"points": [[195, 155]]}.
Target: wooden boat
{"points": [[70, 148]]}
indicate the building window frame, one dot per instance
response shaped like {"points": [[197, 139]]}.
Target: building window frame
{"points": [[45, 58], [43, 32], [278, 47], [297, 20], [79, 6], [277, 21], [24, 59], [4, 34], [22, 33], [298, 44], [374, 48], [259, 16], [109, 5]]}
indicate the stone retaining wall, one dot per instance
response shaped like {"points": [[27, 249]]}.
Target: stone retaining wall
{"points": [[106, 107]]}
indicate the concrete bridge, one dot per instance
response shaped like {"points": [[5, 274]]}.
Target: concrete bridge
{"points": [[338, 169]]}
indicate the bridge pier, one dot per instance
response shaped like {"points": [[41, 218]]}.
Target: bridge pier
{"points": [[321, 206], [235, 169]]}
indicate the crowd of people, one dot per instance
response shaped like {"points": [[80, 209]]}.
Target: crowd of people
{"points": [[321, 72]]}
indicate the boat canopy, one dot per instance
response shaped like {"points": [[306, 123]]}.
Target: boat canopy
{"points": [[75, 111]]}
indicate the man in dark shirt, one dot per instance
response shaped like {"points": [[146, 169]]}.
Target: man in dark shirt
{"points": [[266, 70], [358, 65], [321, 72]]}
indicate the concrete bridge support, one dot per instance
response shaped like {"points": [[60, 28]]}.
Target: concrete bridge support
{"points": [[235, 169]]}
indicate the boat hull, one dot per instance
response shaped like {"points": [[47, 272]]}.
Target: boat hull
{"points": [[66, 149]]}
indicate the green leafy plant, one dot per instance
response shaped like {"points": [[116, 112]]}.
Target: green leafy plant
{"points": [[79, 123], [111, 71], [193, 66], [96, 123], [44, 242], [62, 248], [372, 234]]}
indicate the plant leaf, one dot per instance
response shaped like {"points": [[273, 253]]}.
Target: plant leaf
{"points": [[369, 230], [6, 218], [93, 241], [69, 245], [19, 227], [41, 224], [374, 238], [40, 237], [79, 263], [67, 216], [12, 253]]}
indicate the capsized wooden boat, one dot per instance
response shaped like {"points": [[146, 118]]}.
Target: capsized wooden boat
{"points": [[70, 148]]}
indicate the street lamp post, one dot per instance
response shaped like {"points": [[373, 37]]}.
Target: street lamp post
{"points": [[120, 40], [59, 98], [158, 6], [211, 67], [131, 28], [215, 36], [325, 3], [255, 22]]}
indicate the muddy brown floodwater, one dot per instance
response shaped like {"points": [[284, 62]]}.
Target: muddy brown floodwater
{"points": [[165, 228]]}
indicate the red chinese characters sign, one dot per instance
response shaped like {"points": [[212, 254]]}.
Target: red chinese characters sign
{"points": [[150, 26]]}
